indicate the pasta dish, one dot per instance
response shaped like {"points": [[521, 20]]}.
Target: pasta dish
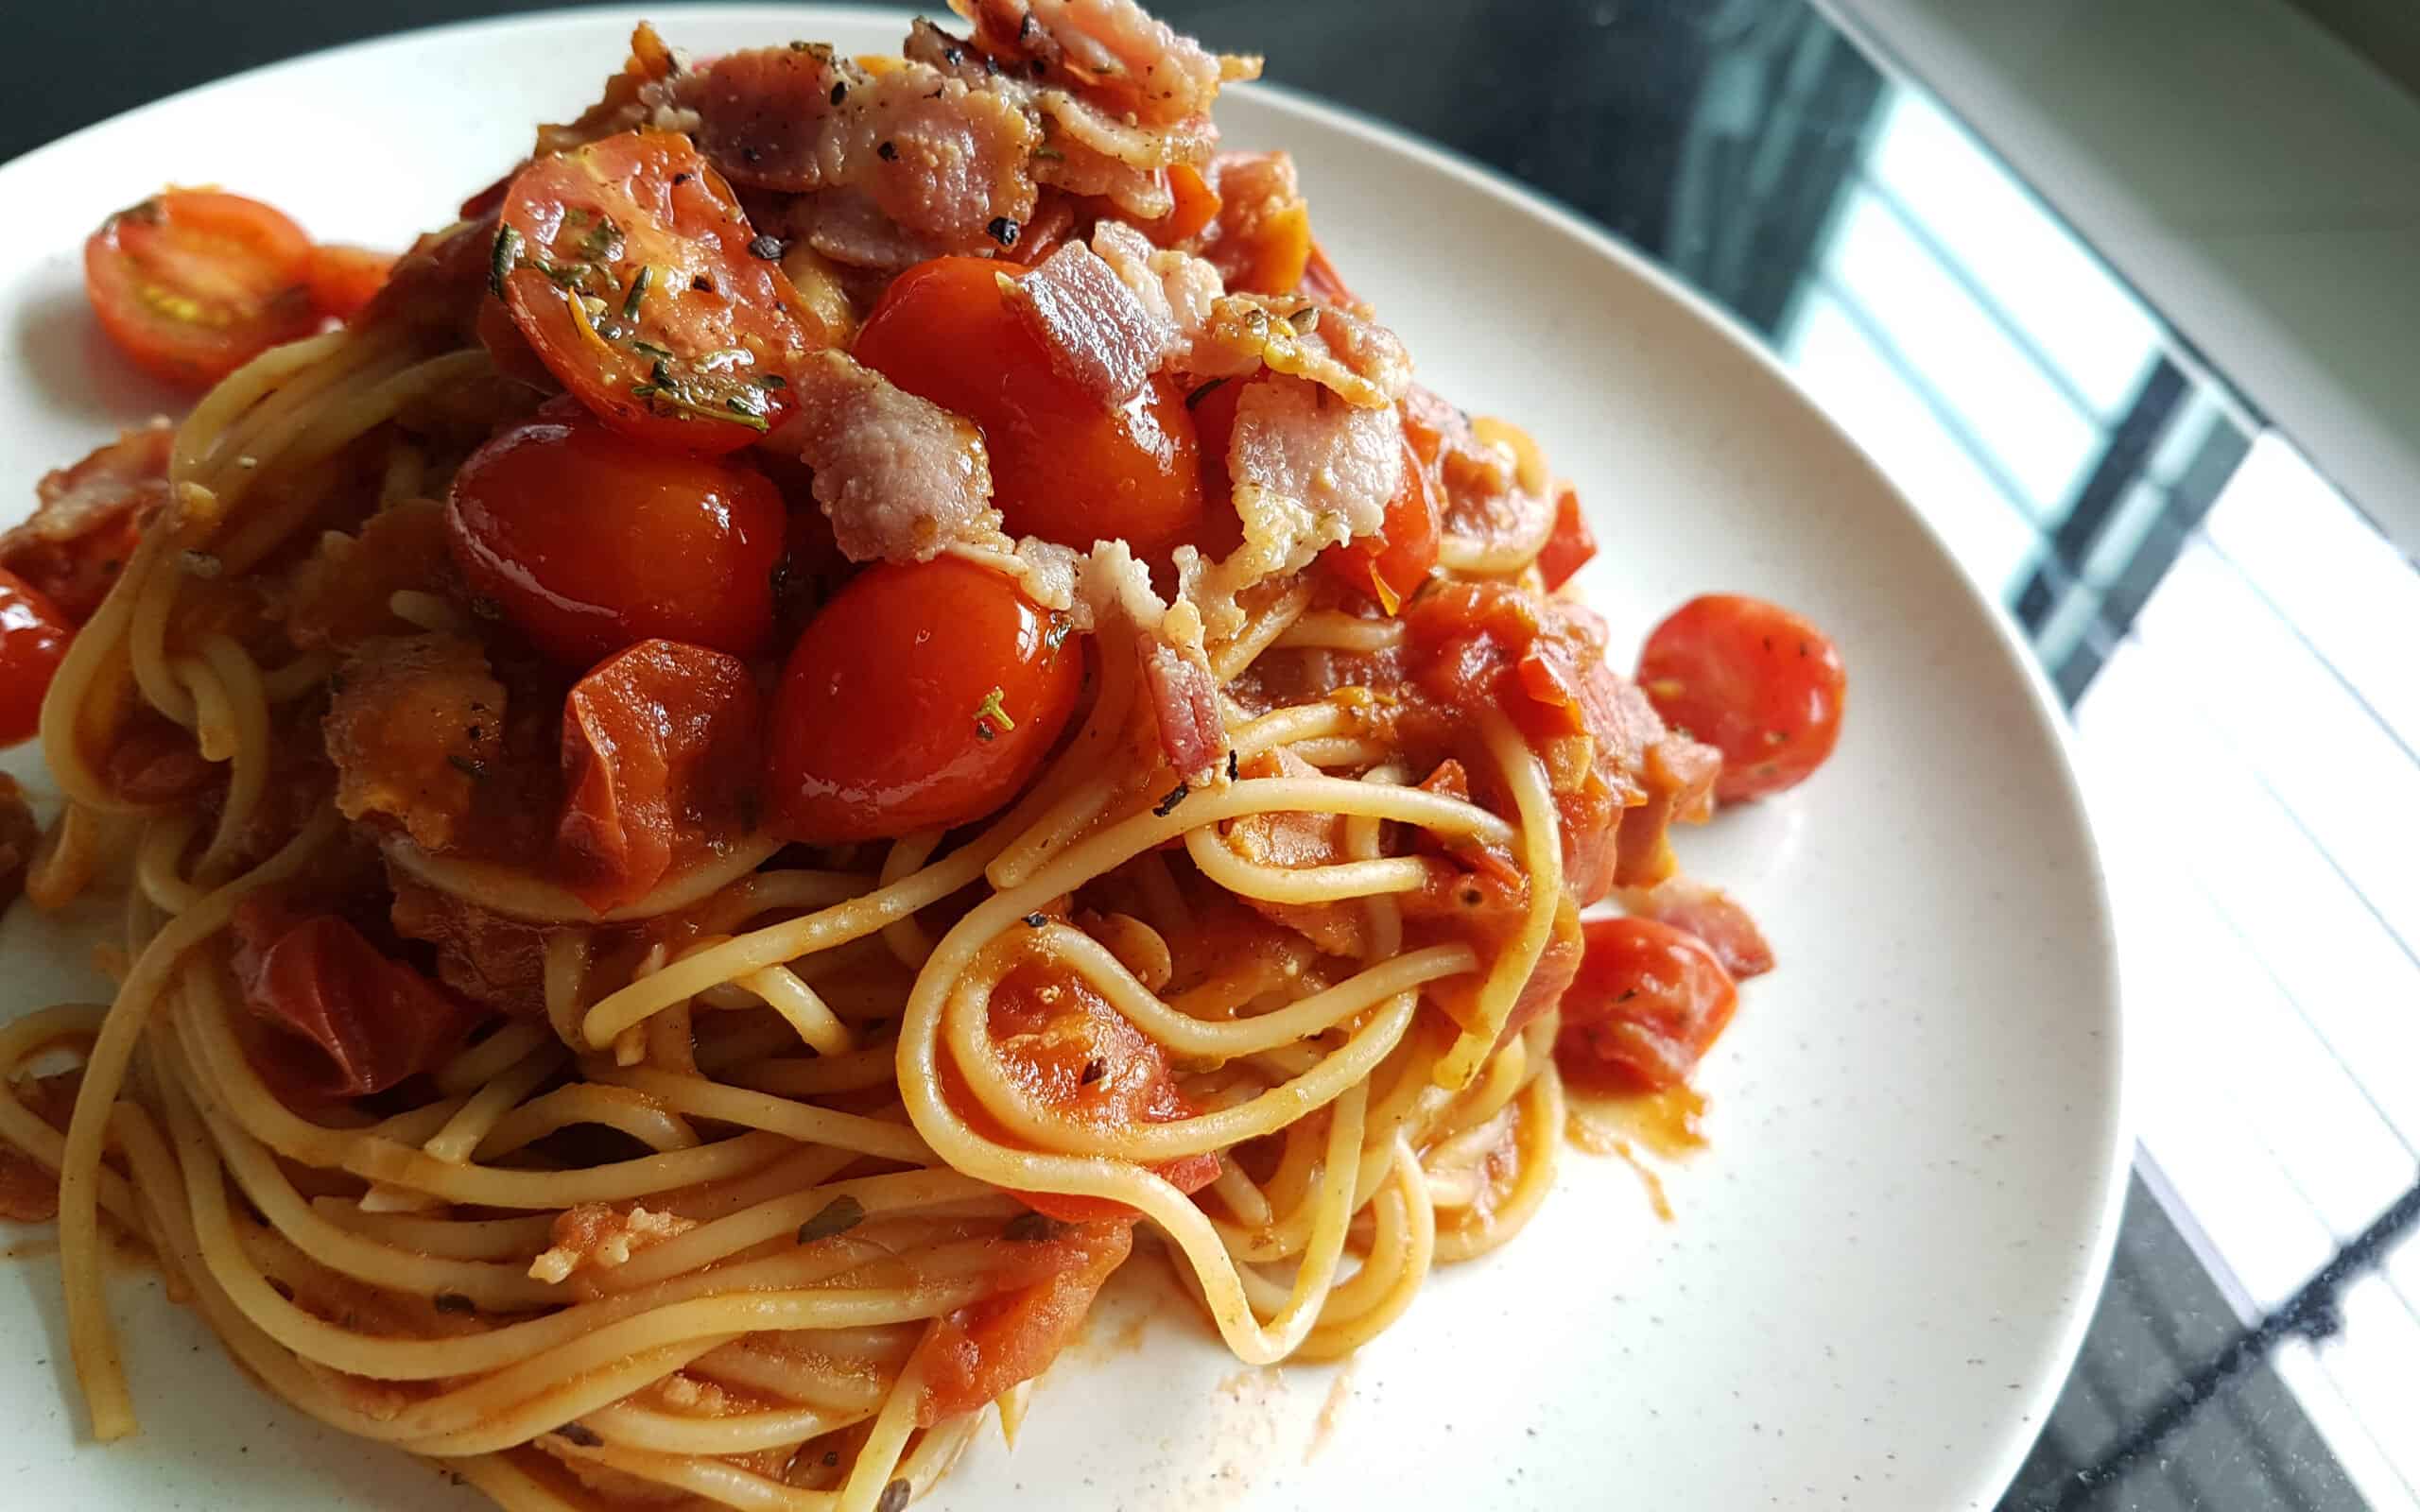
{"points": [[866, 688]]}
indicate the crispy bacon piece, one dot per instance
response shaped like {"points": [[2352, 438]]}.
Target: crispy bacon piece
{"points": [[1299, 452], [89, 518], [350, 1019], [899, 477], [415, 724], [1098, 334], [1184, 704], [1112, 52], [661, 746], [338, 595], [497, 962]]}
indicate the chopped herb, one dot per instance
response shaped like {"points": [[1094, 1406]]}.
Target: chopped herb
{"points": [[764, 246], [1093, 1071], [679, 178], [1176, 796], [1628, 993], [1051, 154], [704, 284], [886, 151], [470, 767], [895, 1496], [802, 47], [991, 716], [1231, 763], [1003, 230], [840, 92], [578, 1432], [836, 1217], [773, 380], [1032, 1227], [604, 242], [200, 564], [455, 1302], [639, 282], [503, 258], [1036, 920], [1305, 320], [659, 353], [1201, 393]]}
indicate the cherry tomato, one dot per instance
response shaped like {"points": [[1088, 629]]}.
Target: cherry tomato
{"points": [[1756, 681], [344, 279], [626, 264], [1390, 565], [1063, 467], [974, 1354], [590, 541], [1646, 1006], [1571, 545], [922, 694], [350, 1019], [193, 283], [33, 640]]}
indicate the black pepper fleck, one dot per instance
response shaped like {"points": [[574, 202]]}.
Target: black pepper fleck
{"points": [[1003, 230], [765, 246], [887, 152]]}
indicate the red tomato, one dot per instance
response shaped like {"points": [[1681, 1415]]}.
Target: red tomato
{"points": [[660, 760], [1646, 1006], [193, 283], [627, 265], [1756, 681], [350, 1021], [921, 694], [345, 278], [1390, 565], [1069, 1049], [33, 641], [1195, 206], [590, 541], [977, 1353], [1063, 467], [1571, 545]]}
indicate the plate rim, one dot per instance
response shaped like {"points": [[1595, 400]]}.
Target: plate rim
{"points": [[1387, 139]]}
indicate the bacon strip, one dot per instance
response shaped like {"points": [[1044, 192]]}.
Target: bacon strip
{"points": [[1099, 337], [899, 476]]}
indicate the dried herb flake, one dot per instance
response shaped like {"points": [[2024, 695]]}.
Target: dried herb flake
{"points": [[834, 1217]]}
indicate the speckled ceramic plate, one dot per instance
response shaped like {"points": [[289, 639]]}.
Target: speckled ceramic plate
{"points": [[1875, 1278]]}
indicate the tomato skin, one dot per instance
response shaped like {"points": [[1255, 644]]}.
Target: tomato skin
{"points": [[1648, 1003], [33, 641], [979, 1352], [874, 728], [591, 542], [644, 204], [193, 283], [343, 279], [1572, 544], [660, 752], [1757, 682], [350, 1019], [1063, 467], [1390, 565]]}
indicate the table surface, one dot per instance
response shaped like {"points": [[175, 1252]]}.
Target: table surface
{"points": [[1751, 148]]}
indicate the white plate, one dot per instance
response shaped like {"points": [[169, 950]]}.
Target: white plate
{"points": [[1880, 1270]]}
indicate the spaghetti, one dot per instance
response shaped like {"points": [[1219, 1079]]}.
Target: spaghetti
{"points": [[510, 1075]]}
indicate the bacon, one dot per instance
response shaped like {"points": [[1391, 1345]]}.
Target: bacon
{"points": [[89, 518], [352, 1020], [941, 158], [899, 477], [1116, 54], [1175, 292], [846, 225], [1098, 334], [1299, 452], [1184, 702], [1115, 598], [415, 723], [497, 962], [1713, 915], [338, 595]]}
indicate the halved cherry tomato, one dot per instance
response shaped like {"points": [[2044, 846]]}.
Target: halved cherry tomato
{"points": [[628, 266], [350, 1019], [1063, 468], [922, 694], [590, 541], [1757, 682], [1571, 545], [344, 279], [1390, 565], [193, 283], [33, 641], [1646, 1007]]}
